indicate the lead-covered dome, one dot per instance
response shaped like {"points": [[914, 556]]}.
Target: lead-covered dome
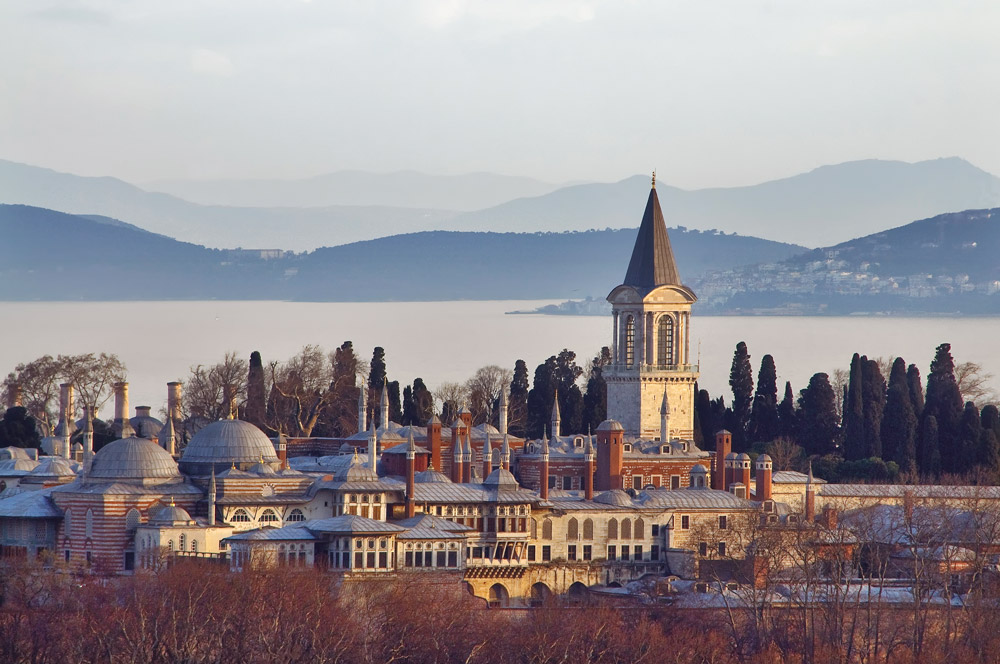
{"points": [[225, 443], [134, 460]]}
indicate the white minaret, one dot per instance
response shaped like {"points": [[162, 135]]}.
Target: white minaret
{"points": [[665, 418], [504, 407], [555, 426], [88, 439], [211, 498], [372, 447], [362, 409], [384, 411]]}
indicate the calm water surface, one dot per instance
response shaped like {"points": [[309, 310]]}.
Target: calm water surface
{"points": [[448, 341]]}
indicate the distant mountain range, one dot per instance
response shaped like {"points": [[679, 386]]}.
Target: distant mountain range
{"points": [[948, 263], [828, 205], [48, 255]]}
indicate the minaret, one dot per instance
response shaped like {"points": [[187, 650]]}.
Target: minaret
{"points": [[505, 454], [665, 418], [67, 446], [487, 456], [504, 408], [88, 439], [810, 496], [411, 462], [457, 457], [383, 414], [555, 427], [362, 409], [372, 445], [543, 490], [589, 463], [469, 459], [122, 422], [211, 498], [651, 313]]}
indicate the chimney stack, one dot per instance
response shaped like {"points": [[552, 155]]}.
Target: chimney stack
{"points": [[13, 395], [764, 472], [810, 496], [543, 491], [742, 474], [504, 408], [723, 446], [589, 458], [122, 424], [411, 461]]}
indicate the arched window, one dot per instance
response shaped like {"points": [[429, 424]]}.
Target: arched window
{"points": [[588, 529], [269, 516], [534, 529], [68, 523], [132, 519], [194, 545], [626, 529], [613, 529], [665, 341], [640, 529], [90, 524], [180, 542], [573, 529], [547, 529], [629, 341], [241, 516], [296, 516]]}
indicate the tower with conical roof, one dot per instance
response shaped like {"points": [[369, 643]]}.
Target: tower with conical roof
{"points": [[650, 343]]}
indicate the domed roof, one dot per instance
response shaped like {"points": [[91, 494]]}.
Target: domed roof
{"points": [[264, 469], [763, 458], [698, 469], [224, 443], [610, 425], [742, 456], [17, 466], [431, 476], [172, 515], [615, 497], [14, 453], [146, 425], [133, 459], [55, 466], [356, 470], [731, 456]]}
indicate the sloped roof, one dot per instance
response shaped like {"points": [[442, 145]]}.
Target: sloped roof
{"points": [[350, 523], [692, 499], [652, 262], [30, 505], [273, 534], [431, 521]]}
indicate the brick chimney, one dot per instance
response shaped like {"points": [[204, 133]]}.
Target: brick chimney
{"points": [[764, 472], [723, 446], [610, 455], [742, 474], [434, 441]]}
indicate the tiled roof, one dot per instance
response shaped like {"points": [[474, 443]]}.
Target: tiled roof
{"points": [[431, 521], [792, 477], [274, 534], [917, 491], [350, 523], [30, 505], [692, 499]]}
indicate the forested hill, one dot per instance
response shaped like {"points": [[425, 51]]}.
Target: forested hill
{"points": [[945, 264], [47, 255]]}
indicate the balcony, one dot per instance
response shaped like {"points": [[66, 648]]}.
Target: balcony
{"points": [[623, 369]]}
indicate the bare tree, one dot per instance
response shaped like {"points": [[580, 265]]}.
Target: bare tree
{"points": [[306, 382], [93, 375], [484, 390], [448, 397], [975, 383], [38, 381], [209, 389]]}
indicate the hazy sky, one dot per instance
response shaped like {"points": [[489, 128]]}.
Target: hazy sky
{"points": [[709, 93]]}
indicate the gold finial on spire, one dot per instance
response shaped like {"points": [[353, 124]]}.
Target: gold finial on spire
{"points": [[654, 178]]}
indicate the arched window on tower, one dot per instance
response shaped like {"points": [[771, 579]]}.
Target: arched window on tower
{"points": [[629, 341], [665, 341]]}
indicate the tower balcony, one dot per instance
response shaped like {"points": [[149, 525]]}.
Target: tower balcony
{"points": [[621, 369]]}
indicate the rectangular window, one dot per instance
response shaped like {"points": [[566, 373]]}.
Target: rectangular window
{"points": [[637, 482], [552, 481], [371, 560], [675, 481], [637, 553], [654, 552], [359, 560], [656, 480], [612, 553], [722, 522], [703, 549], [441, 558], [567, 482], [722, 548], [409, 559], [685, 522], [428, 558], [347, 560], [625, 552], [453, 559], [571, 552], [477, 552], [531, 552], [383, 560], [546, 553], [655, 530], [587, 552]]}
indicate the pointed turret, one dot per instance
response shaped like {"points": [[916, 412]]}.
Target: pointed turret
{"points": [[810, 496], [411, 461], [665, 418], [487, 456], [457, 460], [384, 410], [556, 422], [652, 262], [362, 409], [504, 408], [468, 459], [505, 453], [372, 448], [211, 498], [589, 464], [543, 475], [88, 439], [167, 437]]}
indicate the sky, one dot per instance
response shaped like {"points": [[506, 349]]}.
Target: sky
{"points": [[720, 93]]}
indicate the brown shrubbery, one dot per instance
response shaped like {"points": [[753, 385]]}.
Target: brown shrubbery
{"points": [[197, 612]]}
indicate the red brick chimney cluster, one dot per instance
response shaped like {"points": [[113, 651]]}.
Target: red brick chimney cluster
{"points": [[723, 448]]}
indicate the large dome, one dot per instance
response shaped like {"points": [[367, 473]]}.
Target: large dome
{"points": [[132, 459], [226, 443]]}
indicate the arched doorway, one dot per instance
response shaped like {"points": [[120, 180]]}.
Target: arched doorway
{"points": [[577, 593], [540, 594], [498, 596]]}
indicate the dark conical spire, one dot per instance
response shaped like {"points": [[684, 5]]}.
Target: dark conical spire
{"points": [[652, 261]]}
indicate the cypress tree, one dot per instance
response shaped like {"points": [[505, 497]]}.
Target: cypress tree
{"points": [[423, 402], [818, 426], [787, 424], [706, 417], [944, 403], [409, 408], [989, 451], [518, 402], [540, 398], [376, 380], [741, 382], [873, 396], [991, 419], [970, 435], [764, 416], [930, 447], [343, 408], [395, 407], [595, 401], [899, 425], [916, 389], [567, 373], [854, 412], [256, 408]]}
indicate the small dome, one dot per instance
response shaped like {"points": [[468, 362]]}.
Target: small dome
{"points": [[763, 459], [610, 425], [263, 469], [431, 476], [145, 425], [501, 479], [615, 497], [172, 515], [14, 453], [698, 469], [133, 459], [224, 443], [743, 456], [731, 456], [18, 466], [356, 471], [53, 466]]}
